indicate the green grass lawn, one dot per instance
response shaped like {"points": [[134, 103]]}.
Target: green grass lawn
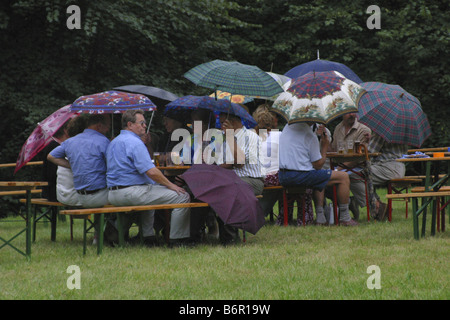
{"points": [[278, 263]]}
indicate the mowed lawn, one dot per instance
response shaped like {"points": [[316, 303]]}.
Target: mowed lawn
{"points": [[278, 263]]}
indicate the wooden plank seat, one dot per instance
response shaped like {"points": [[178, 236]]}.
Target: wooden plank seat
{"points": [[127, 209], [427, 198], [20, 192], [399, 186], [51, 214]]}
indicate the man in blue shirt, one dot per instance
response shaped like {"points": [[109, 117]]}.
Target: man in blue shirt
{"points": [[85, 154], [133, 179]]}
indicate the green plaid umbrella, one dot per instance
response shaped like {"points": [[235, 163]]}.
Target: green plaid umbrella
{"points": [[234, 77], [394, 114]]}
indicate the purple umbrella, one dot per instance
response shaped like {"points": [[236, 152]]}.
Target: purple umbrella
{"points": [[230, 197], [112, 102]]}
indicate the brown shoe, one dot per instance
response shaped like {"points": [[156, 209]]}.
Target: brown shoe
{"points": [[349, 223], [382, 211]]}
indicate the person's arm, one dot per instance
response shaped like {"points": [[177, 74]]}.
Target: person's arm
{"points": [[156, 175], [324, 144], [59, 161]]}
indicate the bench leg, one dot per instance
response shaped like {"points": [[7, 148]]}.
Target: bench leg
{"points": [[101, 230], [84, 233], [119, 219], [285, 208], [53, 220], [415, 218]]}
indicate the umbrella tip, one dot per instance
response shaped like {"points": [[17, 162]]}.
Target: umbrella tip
{"points": [[318, 57]]}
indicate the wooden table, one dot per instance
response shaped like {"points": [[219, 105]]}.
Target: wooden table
{"points": [[436, 149], [433, 182], [28, 186], [31, 163], [359, 161]]}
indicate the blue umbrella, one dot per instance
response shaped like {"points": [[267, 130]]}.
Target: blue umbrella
{"points": [[322, 65], [191, 102]]}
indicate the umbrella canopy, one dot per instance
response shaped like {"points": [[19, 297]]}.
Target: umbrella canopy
{"points": [[234, 77], [322, 65], [112, 102], [318, 97], [191, 102], [42, 134], [394, 114], [159, 96], [230, 197], [235, 98]]}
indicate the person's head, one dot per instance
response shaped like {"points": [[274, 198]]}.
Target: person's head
{"points": [[99, 122], [62, 133], [349, 119], [76, 126], [235, 121], [265, 118], [134, 121], [174, 119], [207, 118]]}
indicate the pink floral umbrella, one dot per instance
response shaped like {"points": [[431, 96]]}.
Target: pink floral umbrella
{"points": [[42, 135]]}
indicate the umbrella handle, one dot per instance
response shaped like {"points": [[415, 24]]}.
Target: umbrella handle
{"points": [[150, 122]]}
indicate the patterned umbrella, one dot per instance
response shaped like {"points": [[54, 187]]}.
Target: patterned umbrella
{"points": [[42, 135], [235, 98], [318, 97], [157, 95], [394, 114], [322, 65], [112, 102], [234, 77]]}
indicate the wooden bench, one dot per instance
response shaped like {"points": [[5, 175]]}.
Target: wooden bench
{"points": [[427, 198], [20, 192], [397, 186], [127, 209]]}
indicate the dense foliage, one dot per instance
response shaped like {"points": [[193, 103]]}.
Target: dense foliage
{"points": [[45, 65]]}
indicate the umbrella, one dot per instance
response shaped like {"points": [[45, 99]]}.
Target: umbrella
{"points": [[191, 102], [157, 95], [42, 134], [234, 77], [236, 98], [322, 65], [394, 114], [230, 197], [318, 97], [112, 102]]}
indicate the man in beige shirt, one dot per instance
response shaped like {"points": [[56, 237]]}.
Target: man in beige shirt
{"points": [[350, 129]]}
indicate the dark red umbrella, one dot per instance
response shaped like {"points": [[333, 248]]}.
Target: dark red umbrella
{"points": [[228, 195]]}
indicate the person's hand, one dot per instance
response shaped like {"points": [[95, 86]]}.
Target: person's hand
{"points": [[176, 188], [227, 125], [147, 138], [366, 138]]}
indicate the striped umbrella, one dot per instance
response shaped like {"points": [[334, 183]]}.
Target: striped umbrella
{"points": [[234, 77], [394, 114]]}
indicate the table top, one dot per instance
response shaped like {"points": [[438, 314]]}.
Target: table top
{"points": [[31, 163], [423, 159], [181, 167], [436, 149], [21, 185], [350, 156]]}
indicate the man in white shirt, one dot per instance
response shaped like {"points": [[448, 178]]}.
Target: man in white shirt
{"points": [[301, 159]]}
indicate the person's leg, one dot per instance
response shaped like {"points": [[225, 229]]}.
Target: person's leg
{"points": [[342, 182], [319, 197]]}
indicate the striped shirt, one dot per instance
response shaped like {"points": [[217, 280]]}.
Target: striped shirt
{"points": [[249, 143]]}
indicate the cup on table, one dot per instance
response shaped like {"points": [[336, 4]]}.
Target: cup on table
{"points": [[357, 147], [156, 158], [349, 146], [175, 158], [438, 155], [341, 147]]}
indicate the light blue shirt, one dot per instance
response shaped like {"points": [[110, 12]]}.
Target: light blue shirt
{"points": [[86, 153], [128, 161], [299, 147]]}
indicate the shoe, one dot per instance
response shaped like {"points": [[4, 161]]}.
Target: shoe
{"points": [[150, 241], [382, 211], [349, 223], [111, 235], [186, 242], [320, 223], [354, 208]]}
